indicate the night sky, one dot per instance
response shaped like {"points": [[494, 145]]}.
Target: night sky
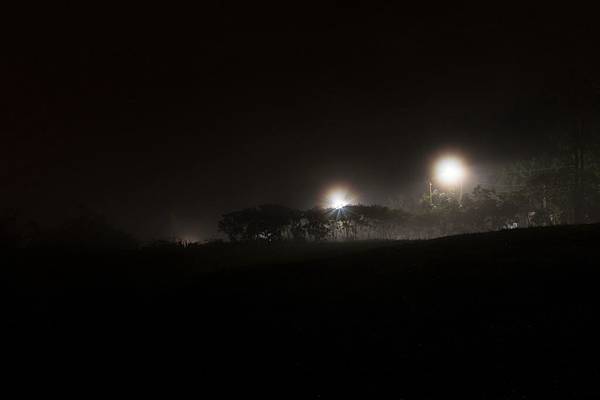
{"points": [[164, 119]]}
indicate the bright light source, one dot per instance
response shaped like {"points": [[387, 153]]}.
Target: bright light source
{"points": [[338, 199], [450, 171]]}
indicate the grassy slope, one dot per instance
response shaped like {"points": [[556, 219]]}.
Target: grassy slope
{"points": [[496, 315]]}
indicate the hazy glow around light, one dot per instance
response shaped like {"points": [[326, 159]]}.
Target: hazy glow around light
{"points": [[338, 199], [450, 171]]}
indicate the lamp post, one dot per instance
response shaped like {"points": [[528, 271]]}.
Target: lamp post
{"points": [[449, 171], [430, 194]]}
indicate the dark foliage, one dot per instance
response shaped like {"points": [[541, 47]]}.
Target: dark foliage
{"points": [[443, 214]]}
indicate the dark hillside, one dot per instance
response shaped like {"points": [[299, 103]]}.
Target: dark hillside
{"points": [[508, 314]]}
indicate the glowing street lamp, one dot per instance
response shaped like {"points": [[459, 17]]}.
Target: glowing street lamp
{"points": [[338, 199], [449, 171]]}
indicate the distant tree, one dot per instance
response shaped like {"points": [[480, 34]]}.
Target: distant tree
{"points": [[563, 184], [273, 221], [317, 224], [482, 210], [268, 222], [234, 225], [297, 227]]}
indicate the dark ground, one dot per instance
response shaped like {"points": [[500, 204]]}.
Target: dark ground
{"points": [[491, 316]]}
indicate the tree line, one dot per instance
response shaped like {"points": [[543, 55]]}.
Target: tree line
{"points": [[444, 214], [548, 190], [561, 185]]}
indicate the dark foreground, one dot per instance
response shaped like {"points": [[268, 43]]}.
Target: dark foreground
{"points": [[490, 316]]}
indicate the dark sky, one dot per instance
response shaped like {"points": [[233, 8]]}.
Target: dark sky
{"points": [[163, 119]]}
